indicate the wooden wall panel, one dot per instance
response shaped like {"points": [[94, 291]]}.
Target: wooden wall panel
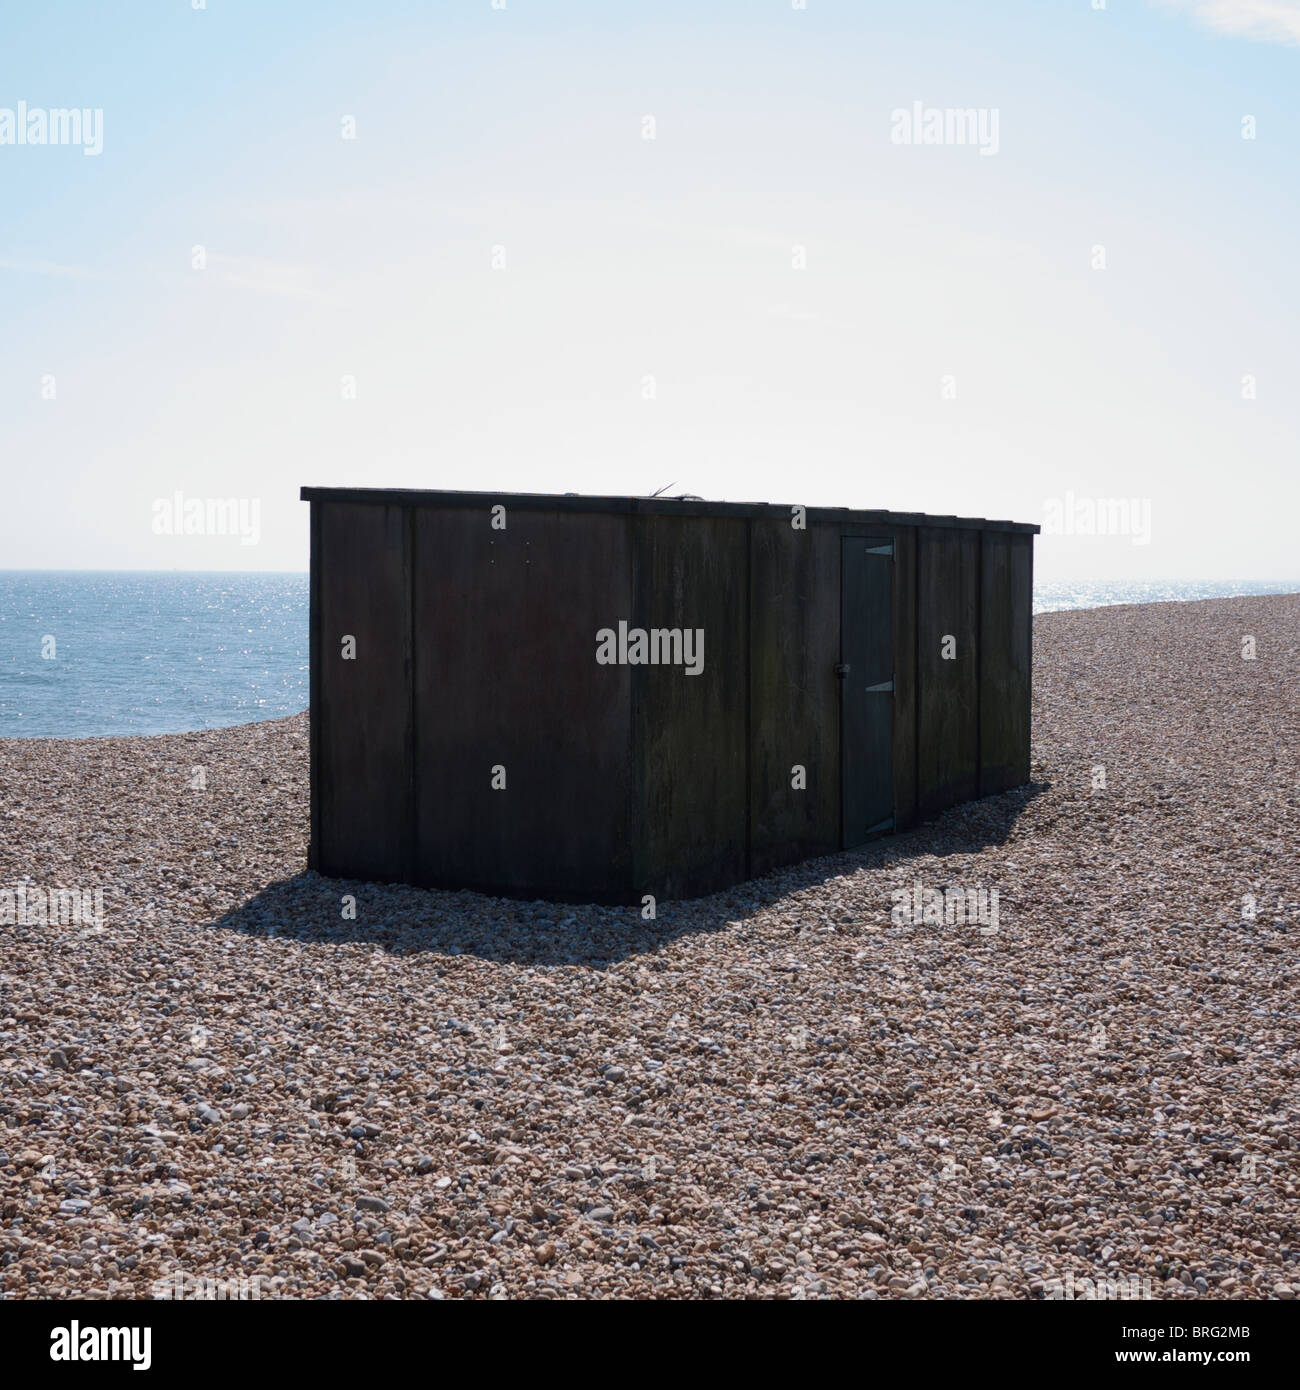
{"points": [[905, 678], [793, 692], [362, 723], [948, 728], [1006, 606], [691, 732], [506, 676]]}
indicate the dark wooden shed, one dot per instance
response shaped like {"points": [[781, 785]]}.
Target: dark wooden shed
{"points": [[600, 698]]}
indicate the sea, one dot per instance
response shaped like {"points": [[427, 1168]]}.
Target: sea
{"points": [[86, 653]]}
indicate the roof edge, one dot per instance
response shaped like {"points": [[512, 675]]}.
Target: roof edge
{"points": [[641, 506]]}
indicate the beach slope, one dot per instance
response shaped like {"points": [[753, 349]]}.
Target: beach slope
{"points": [[243, 1073]]}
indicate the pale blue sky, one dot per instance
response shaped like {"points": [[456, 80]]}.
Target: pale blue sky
{"points": [[672, 259]]}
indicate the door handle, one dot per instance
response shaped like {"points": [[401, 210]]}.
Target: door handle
{"points": [[842, 670]]}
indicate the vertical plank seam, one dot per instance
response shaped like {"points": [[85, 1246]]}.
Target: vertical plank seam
{"points": [[637, 821], [314, 658], [749, 682], [916, 676], [979, 667], [841, 684], [412, 838], [1029, 674], [895, 624]]}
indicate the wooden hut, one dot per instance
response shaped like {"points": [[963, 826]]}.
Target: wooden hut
{"points": [[603, 698]]}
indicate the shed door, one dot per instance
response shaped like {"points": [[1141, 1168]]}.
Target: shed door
{"points": [[867, 687]]}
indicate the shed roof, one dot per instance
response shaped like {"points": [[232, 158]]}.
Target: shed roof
{"points": [[640, 506]]}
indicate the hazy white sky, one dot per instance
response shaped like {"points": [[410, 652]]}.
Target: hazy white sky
{"points": [[772, 299]]}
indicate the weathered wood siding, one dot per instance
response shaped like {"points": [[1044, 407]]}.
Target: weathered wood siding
{"points": [[506, 677], [1006, 593], [948, 723], [361, 721], [905, 677], [793, 694], [690, 732], [476, 650]]}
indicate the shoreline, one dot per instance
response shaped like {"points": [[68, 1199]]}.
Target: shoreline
{"points": [[181, 733]]}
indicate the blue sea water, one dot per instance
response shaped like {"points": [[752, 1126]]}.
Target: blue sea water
{"points": [[148, 653], [157, 653], [1054, 598]]}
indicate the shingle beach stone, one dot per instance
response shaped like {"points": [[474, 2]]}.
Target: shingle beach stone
{"points": [[779, 1091]]}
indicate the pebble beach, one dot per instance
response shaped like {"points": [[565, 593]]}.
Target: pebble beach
{"points": [[780, 1091]]}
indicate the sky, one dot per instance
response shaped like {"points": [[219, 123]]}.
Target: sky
{"points": [[601, 247]]}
